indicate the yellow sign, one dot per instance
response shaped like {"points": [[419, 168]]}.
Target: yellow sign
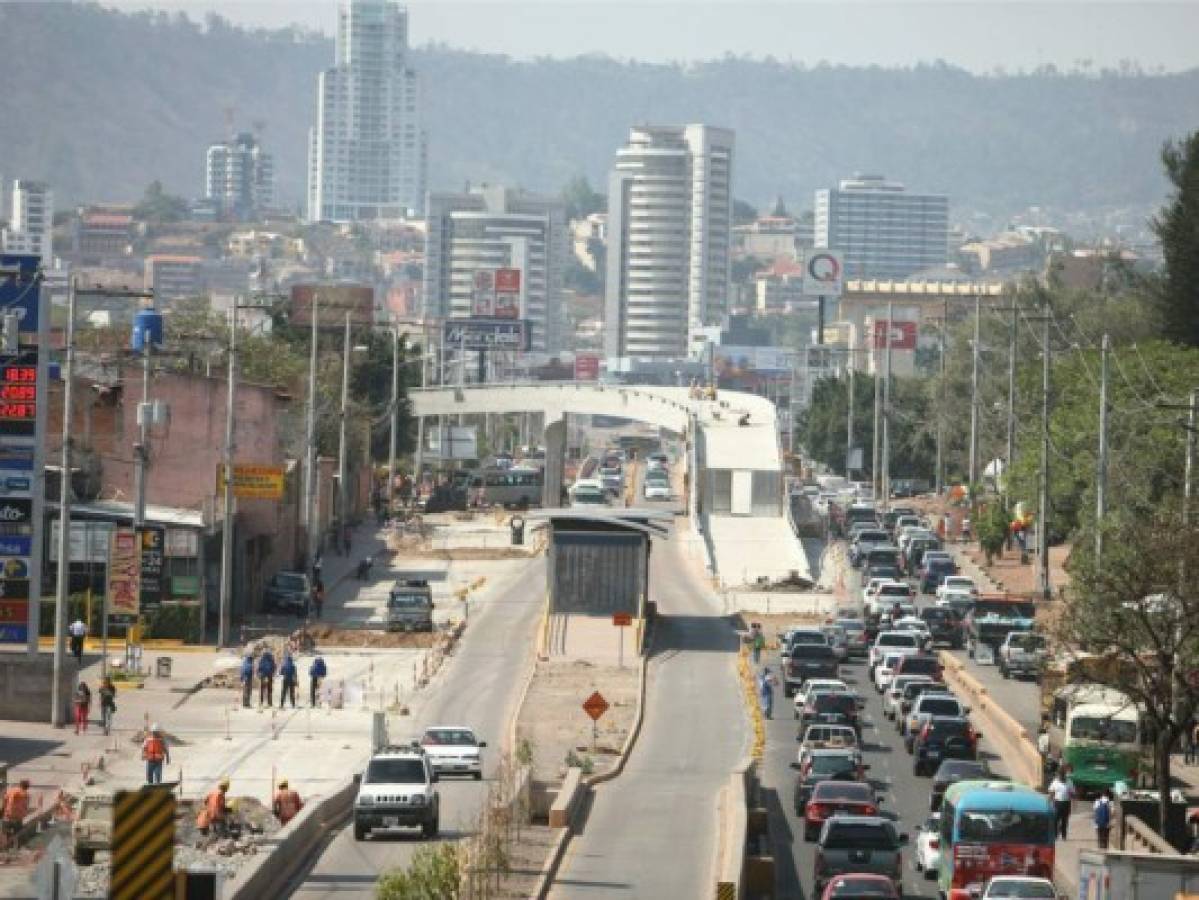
{"points": [[253, 482]]}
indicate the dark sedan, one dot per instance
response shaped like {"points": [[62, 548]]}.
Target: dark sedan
{"points": [[943, 737]]}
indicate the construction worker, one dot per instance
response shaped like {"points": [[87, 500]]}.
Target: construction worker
{"points": [[155, 752], [316, 674], [215, 812], [16, 807], [290, 676], [287, 803], [266, 678]]}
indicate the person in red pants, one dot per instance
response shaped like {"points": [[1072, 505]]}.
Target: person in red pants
{"points": [[83, 705]]}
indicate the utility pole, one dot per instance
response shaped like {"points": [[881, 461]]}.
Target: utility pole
{"points": [[57, 717], [310, 473], [227, 522], [343, 517], [974, 395], [1101, 467], [938, 475], [849, 419], [878, 405], [1188, 489], [1010, 456], [1044, 586], [887, 412], [395, 419]]}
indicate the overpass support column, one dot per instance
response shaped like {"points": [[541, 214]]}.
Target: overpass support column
{"points": [[555, 462]]}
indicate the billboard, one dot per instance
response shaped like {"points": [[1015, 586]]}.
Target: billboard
{"points": [[454, 442], [507, 293], [822, 273], [333, 302], [152, 539], [89, 541], [730, 360], [482, 294], [21, 294], [252, 482], [486, 334], [587, 366], [903, 335], [124, 567]]}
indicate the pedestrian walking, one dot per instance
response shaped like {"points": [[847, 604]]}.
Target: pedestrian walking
{"points": [[1043, 750], [266, 678], [287, 803], [77, 631], [16, 808], [1103, 818], [317, 564], [316, 674], [108, 703], [287, 671], [1061, 791], [214, 814], [155, 752], [318, 596], [83, 705], [766, 685], [1191, 744], [757, 642], [247, 679]]}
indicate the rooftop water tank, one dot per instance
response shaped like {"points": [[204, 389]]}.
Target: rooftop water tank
{"points": [[147, 327]]}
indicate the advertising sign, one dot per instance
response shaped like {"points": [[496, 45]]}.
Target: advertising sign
{"points": [[486, 334], [89, 541], [16, 458], [124, 560], [507, 293], [152, 543], [16, 545], [822, 273], [16, 511], [14, 612], [587, 366], [14, 588], [20, 294], [14, 634], [252, 482], [903, 335], [18, 394], [482, 295], [454, 442], [731, 360], [333, 302]]}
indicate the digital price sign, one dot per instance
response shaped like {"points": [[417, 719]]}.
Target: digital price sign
{"points": [[18, 396]]}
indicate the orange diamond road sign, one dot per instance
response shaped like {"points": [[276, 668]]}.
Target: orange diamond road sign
{"points": [[595, 706], [622, 619]]}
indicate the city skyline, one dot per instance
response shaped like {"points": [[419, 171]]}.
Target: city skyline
{"points": [[1019, 35]]}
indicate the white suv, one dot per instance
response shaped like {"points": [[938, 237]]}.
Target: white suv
{"points": [[397, 791]]}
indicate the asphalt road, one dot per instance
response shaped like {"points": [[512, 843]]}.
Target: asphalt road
{"points": [[906, 795], [652, 831], [478, 688]]}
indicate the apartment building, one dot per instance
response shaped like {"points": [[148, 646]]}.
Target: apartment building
{"points": [[239, 178], [31, 222]]}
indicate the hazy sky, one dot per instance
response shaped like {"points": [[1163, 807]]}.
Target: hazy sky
{"points": [[975, 35]]}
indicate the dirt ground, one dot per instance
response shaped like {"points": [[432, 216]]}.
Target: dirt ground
{"points": [[328, 636], [527, 857], [552, 719]]}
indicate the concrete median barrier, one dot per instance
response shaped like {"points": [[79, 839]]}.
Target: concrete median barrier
{"points": [[1009, 738]]}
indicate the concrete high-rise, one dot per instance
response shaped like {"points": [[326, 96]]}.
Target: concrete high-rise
{"points": [[366, 154], [882, 230], [31, 223], [491, 228], [239, 177], [670, 218]]}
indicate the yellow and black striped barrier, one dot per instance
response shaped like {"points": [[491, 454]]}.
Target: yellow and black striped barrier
{"points": [[143, 845]]}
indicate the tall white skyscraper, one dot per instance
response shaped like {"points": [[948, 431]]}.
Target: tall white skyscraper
{"points": [[492, 228], [670, 219], [366, 154], [882, 230], [31, 222], [239, 177]]}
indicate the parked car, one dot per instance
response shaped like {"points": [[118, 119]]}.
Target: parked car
{"points": [[941, 738], [951, 771], [859, 844], [927, 857], [834, 798], [289, 592], [657, 485]]}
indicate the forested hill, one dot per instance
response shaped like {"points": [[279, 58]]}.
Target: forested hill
{"points": [[100, 103]]}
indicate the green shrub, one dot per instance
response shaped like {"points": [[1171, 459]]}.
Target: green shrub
{"points": [[435, 873]]}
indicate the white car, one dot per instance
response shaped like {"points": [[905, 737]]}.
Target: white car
{"points": [[1019, 887], [454, 750], [963, 583], [927, 857], [872, 587], [588, 492], [894, 695], [828, 685], [882, 672], [893, 642], [657, 486], [913, 624], [925, 707]]}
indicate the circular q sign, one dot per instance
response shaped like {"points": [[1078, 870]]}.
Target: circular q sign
{"points": [[824, 267]]}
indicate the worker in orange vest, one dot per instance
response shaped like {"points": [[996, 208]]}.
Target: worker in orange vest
{"points": [[16, 808], [215, 812], [155, 752], [287, 803]]}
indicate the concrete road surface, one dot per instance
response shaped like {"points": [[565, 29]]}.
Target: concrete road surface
{"points": [[479, 689], [652, 832]]}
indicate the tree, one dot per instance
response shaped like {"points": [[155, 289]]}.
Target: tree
{"points": [[1141, 608], [581, 200], [157, 205], [1177, 227], [991, 525], [743, 213]]}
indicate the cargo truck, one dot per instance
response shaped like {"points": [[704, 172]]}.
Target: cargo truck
{"points": [[1119, 875]]}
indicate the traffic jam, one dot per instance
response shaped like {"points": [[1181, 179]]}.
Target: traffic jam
{"points": [[876, 779]]}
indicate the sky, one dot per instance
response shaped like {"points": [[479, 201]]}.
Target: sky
{"points": [[975, 35]]}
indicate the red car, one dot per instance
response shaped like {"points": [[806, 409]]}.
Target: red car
{"points": [[860, 887], [854, 798]]}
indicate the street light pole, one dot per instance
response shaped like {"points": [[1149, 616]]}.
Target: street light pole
{"points": [[1044, 585], [227, 524], [342, 469], [141, 456], [57, 717], [848, 420], [887, 412], [938, 475], [1101, 468], [395, 419], [974, 395]]}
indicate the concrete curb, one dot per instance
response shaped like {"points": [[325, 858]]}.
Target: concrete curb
{"points": [[514, 721]]}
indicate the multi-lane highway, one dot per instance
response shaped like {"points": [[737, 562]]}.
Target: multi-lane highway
{"points": [[906, 795], [478, 689]]}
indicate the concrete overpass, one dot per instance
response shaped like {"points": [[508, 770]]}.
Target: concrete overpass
{"points": [[734, 459]]}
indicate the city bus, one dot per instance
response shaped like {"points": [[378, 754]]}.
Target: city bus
{"points": [[515, 487], [1104, 744], [991, 828]]}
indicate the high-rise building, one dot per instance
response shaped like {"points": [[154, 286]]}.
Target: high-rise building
{"points": [[670, 217], [882, 230], [31, 223], [239, 178], [493, 228], [366, 154]]}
